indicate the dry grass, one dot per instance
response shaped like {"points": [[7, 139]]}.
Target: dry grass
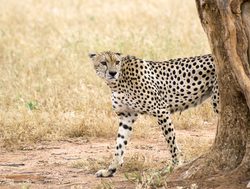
{"points": [[105, 184], [92, 165], [48, 89], [143, 170], [194, 146], [138, 169], [135, 163]]}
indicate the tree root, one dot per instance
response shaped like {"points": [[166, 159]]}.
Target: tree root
{"points": [[208, 172]]}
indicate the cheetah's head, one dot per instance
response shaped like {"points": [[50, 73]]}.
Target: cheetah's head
{"points": [[107, 65]]}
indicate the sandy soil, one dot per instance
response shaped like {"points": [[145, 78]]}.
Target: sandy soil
{"points": [[49, 164]]}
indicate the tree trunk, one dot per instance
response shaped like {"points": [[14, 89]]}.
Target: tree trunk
{"points": [[227, 25]]}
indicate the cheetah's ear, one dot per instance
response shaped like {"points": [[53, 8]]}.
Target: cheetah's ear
{"points": [[92, 55], [119, 54]]}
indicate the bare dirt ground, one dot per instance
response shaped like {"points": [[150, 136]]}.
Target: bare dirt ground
{"points": [[53, 164]]}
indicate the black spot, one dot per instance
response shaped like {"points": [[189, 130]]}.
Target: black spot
{"points": [[112, 171], [174, 149], [125, 126]]}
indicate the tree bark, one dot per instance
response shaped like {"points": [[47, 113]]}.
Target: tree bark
{"points": [[227, 25]]}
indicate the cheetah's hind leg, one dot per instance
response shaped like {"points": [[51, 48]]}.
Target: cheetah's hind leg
{"points": [[167, 128]]}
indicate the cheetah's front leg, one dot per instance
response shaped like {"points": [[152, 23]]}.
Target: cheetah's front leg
{"points": [[124, 131]]}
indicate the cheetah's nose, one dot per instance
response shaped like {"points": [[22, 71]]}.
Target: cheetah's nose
{"points": [[112, 73]]}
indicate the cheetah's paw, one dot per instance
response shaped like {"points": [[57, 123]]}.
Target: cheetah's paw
{"points": [[105, 173]]}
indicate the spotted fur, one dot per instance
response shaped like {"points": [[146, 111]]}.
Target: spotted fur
{"points": [[155, 88]]}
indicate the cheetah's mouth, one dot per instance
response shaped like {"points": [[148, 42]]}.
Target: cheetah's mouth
{"points": [[112, 78]]}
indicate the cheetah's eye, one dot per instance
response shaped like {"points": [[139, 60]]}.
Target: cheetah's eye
{"points": [[104, 63], [117, 62]]}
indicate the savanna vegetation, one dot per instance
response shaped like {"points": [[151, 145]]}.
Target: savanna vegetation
{"points": [[49, 90]]}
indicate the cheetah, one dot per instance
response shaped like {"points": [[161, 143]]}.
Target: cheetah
{"points": [[154, 88]]}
